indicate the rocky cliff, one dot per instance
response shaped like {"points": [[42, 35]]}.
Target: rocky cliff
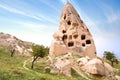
{"points": [[72, 35], [21, 47]]}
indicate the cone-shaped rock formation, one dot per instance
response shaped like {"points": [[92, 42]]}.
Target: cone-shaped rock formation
{"points": [[73, 35]]}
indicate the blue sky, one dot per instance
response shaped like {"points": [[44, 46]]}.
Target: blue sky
{"points": [[37, 20]]}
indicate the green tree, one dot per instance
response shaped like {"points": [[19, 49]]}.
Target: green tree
{"points": [[110, 56], [39, 51], [11, 49]]}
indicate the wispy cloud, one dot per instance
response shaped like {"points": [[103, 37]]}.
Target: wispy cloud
{"points": [[39, 16], [113, 17], [14, 10], [64, 1], [50, 5], [111, 14], [38, 33], [38, 27], [37, 37]]}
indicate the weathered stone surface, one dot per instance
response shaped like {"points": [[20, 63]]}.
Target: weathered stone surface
{"points": [[97, 67], [82, 61], [117, 77], [22, 48], [62, 65], [73, 35], [71, 41]]}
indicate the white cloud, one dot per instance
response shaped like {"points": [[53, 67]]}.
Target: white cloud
{"points": [[113, 17], [51, 5], [38, 38], [64, 1], [111, 14], [37, 33], [14, 10], [107, 41], [34, 16], [38, 27]]}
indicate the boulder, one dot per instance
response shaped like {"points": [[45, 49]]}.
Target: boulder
{"points": [[82, 61], [98, 67], [62, 65], [117, 77]]}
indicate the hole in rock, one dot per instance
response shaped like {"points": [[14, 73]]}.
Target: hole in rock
{"points": [[70, 44], [64, 31], [69, 23], [82, 37], [65, 17], [64, 37], [75, 36], [83, 44], [88, 42]]}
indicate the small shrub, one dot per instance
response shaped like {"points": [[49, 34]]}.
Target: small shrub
{"points": [[47, 69]]}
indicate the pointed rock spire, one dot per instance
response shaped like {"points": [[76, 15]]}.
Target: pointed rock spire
{"points": [[73, 35]]}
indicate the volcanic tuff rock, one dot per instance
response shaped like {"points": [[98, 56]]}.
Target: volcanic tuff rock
{"points": [[73, 48], [73, 35], [21, 47]]}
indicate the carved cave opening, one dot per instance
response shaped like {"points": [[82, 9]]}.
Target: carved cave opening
{"points": [[83, 37], [95, 52], [83, 44], [75, 24], [75, 36], [63, 31], [65, 17], [70, 44], [64, 37], [69, 22], [88, 42]]}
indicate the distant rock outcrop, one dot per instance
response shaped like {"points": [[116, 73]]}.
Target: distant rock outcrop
{"points": [[21, 47], [73, 35]]}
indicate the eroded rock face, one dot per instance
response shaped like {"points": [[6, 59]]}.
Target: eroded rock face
{"points": [[71, 41], [98, 67], [73, 35], [95, 67], [62, 65]]}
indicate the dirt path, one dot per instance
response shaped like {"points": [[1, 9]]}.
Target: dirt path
{"points": [[25, 62]]}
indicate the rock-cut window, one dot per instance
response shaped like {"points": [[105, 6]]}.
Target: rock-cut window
{"points": [[82, 37], [69, 22], [64, 37], [83, 44], [88, 42], [75, 36], [64, 31], [65, 17], [70, 44]]}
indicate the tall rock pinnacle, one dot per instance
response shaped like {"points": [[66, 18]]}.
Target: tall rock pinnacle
{"points": [[73, 35]]}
